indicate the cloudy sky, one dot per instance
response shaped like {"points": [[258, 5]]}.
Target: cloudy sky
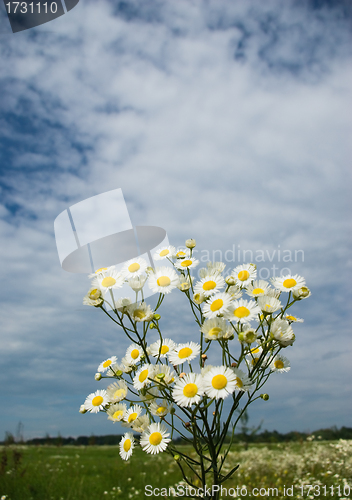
{"points": [[225, 121]]}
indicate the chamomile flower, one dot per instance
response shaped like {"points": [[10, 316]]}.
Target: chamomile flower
{"points": [[257, 288], [94, 297], [160, 409], [281, 331], [140, 312], [163, 280], [184, 352], [182, 253], [219, 382], [188, 390], [302, 293], [217, 305], [164, 253], [142, 377], [122, 304], [288, 283], [162, 374], [96, 401], [242, 311], [199, 298], [254, 355], [116, 412], [280, 364], [141, 423], [126, 446], [133, 355], [160, 349], [184, 283], [244, 274], [210, 284], [155, 439], [247, 335], [243, 382], [104, 366], [109, 280], [137, 283], [268, 304], [131, 415], [215, 328], [235, 292], [188, 263], [292, 319], [117, 391], [134, 267]]}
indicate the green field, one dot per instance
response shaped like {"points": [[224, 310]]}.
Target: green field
{"points": [[97, 472]]}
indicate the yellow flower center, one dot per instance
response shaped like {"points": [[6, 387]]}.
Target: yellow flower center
{"points": [[216, 305], [279, 364], [117, 414], [107, 363], [161, 409], [209, 285], [100, 270], [257, 291], [132, 417], [243, 275], [134, 267], [190, 390], [185, 352], [138, 313], [143, 375], [108, 281], [267, 307], [186, 263], [214, 332], [219, 382], [163, 281], [164, 252], [155, 438], [291, 318], [241, 312], [97, 400], [127, 445], [95, 293], [164, 349], [120, 394], [181, 254], [134, 354], [255, 350], [239, 382], [289, 283]]}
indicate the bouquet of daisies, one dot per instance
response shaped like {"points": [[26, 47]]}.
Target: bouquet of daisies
{"points": [[162, 390]]}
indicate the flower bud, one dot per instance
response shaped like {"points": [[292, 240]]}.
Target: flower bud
{"points": [[149, 270], [152, 326], [157, 316], [172, 410], [191, 243], [265, 397], [302, 293], [204, 356], [188, 424], [97, 376], [160, 376], [182, 374], [233, 365], [118, 373], [230, 280], [82, 409], [177, 458], [198, 298]]}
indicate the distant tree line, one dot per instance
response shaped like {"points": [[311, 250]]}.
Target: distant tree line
{"points": [[333, 433]]}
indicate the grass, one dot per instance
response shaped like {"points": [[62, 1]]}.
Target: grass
{"points": [[97, 472]]}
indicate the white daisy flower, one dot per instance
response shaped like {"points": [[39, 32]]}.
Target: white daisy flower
{"points": [[182, 253], [242, 311], [216, 328], [133, 355], [140, 312], [288, 283], [302, 293], [164, 253], [254, 355], [134, 267], [137, 283], [186, 263], [131, 415], [163, 374], [94, 297], [155, 439], [103, 367], [210, 284], [244, 274], [122, 304], [269, 304], [271, 292], [235, 292], [247, 335], [160, 409], [184, 352], [188, 390], [280, 364], [141, 423], [164, 280], [96, 401], [281, 331], [216, 305], [219, 382], [293, 319], [184, 283], [116, 412], [161, 349], [257, 288], [117, 391], [142, 376], [98, 272], [109, 280], [243, 382], [126, 446]]}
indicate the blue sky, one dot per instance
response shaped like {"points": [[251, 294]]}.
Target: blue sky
{"points": [[224, 121]]}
